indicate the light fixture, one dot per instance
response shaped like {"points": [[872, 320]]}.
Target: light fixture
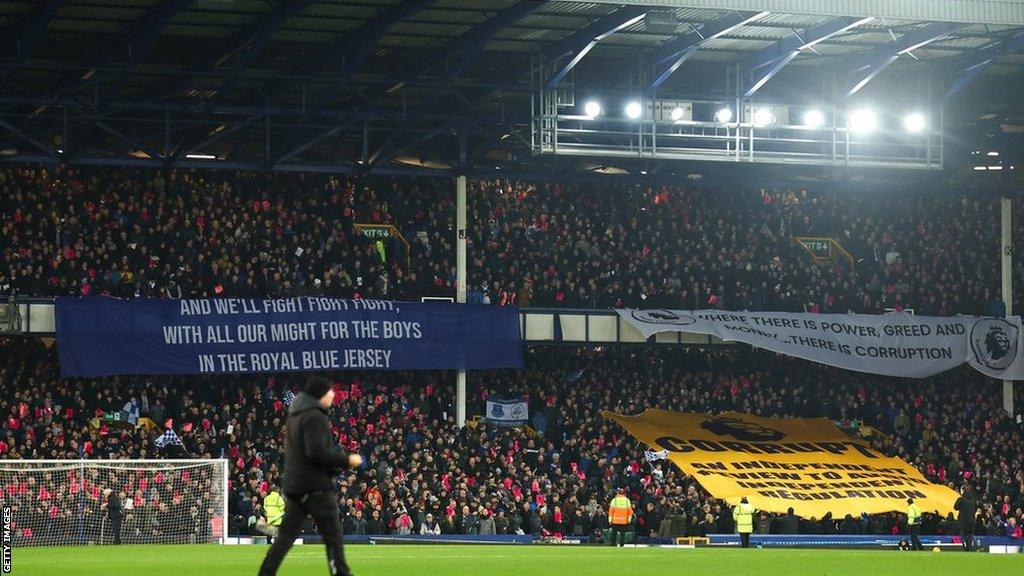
{"points": [[677, 114], [914, 122], [863, 121], [723, 115], [813, 118], [592, 108], [993, 153], [634, 110], [200, 156], [763, 117]]}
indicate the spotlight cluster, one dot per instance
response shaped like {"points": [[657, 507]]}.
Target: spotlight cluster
{"points": [[857, 120]]}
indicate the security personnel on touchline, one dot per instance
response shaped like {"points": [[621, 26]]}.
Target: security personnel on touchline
{"points": [[620, 515], [743, 514], [914, 524], [311, 460], [273, 505], [967, 508]]}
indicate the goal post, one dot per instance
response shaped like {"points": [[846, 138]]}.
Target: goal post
{"points": [[66, 502]]}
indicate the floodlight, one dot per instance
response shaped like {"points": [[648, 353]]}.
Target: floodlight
{"points": [[634, 110], [914, 122], [763, 117], [863, 121], [592, 108], [813, 118]]}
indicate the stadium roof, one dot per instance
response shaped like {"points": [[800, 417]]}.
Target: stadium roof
{"points": [[358, 83]]}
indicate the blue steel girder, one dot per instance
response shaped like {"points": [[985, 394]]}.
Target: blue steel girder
{"points": [[50, 152], [378, 157], [579, 44], [223, 131], [972, 64], [666, 51], [801, 41], [464, 49], [25, 34], [249, 42], [143, 34], [135, 43], [883, 57], [356, 46], [676, 52], [310, 142], [778, 54], [351, 50]]}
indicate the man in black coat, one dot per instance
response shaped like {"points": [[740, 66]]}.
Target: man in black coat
{"points": [[967, 507], [789, 524], [311, 460], [115, 513]]}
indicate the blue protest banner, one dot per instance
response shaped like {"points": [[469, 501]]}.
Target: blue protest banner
{"points": [[100, 336]]}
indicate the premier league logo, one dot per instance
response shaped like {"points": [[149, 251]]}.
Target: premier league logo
{"points": [[994, 343], [741, 430], [663, 317]]}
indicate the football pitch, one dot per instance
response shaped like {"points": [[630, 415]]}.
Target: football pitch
{"points": [[476, 560]]}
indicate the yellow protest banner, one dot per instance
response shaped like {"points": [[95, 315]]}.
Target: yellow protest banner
{"points": [[778, 463]]}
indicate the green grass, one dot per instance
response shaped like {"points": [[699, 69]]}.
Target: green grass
{"points": [[480, 560]]}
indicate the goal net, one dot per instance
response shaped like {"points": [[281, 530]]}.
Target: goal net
{"points": [[93, 502]]}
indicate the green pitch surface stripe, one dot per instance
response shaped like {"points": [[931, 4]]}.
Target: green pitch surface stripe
{"points": [[511, 560]]}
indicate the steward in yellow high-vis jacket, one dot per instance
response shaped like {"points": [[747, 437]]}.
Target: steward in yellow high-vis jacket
{"points": [[273, 506], [743, 514], [620, 515], [914, 524]]}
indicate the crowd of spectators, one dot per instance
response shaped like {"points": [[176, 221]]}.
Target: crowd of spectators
{"points": [[177, 233], [424, 475], [694, 247], [174, 233]]}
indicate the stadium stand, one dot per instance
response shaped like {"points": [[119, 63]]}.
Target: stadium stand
{"points": [[131, 233], [125, 232], [179, 234], [692, 247], [554, 478], [272, 191]]}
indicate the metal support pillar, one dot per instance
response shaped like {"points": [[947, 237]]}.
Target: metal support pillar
{"points": [[1006, 208], [460, 286]]}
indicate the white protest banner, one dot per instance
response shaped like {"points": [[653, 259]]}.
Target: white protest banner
{"points": [[897, 344]]}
